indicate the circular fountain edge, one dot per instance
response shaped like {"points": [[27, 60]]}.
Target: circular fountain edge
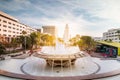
{"points": [[25, 72], [92, 76]]}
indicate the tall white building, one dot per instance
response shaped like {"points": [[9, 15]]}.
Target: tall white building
{"points": [[11, 27], [112, 34], [66, 35]]}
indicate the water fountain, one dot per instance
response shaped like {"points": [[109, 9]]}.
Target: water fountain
{"points": [[57, 63], [61, 60]]}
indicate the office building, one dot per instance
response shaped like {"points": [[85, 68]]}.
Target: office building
{"points": [[51, 30], [66, 34], [112, 35], [11, 27]]}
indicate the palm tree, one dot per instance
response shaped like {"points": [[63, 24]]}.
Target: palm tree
{"points": [[14, 43], [22, 39], [33, 38], [24, 34]]}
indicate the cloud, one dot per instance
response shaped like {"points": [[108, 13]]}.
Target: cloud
{"points": [[84, 17], [14, 5]]}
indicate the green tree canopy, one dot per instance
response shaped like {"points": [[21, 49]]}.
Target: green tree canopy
{"points": [[2, 49], [86, 43]]}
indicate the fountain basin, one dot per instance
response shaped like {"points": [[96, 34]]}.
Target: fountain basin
{"points": [[63, 60], [61, 56]]}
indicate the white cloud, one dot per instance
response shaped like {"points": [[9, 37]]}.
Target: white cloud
{"points": [[15, 5], [111, 10], [106, 11]]}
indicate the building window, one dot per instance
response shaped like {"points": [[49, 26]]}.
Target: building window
{"points": [[4, 21], [14, 24], [0, 29], [13, 28], [13, 31], [0, 19], [17, 25], [13, 35], [9, 35], [115, 38], [9, 31], [0, 24], [5, 30], [4, 25], [4, 34], [9, 22], [9, 27]]}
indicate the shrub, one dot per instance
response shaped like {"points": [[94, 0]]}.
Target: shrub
{"points": [[2, 49]]}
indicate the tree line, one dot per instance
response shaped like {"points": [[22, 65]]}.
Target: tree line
{"points": [[37, 39]]}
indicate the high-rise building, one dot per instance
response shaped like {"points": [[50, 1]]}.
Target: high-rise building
{"points": [[49, 30], [11, 27], [112, 34], [66, 34]]}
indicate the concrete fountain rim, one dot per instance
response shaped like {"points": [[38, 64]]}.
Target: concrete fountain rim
{"points": [[91, 76]]}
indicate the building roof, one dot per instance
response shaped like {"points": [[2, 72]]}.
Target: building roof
{"points": [[114, 44], [8, 16]]}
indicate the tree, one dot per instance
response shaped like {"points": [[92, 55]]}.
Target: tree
{"points": [[14, 43], [47, 39], [38, 41], [2, 49], [24, 40], [61, 40], [33, 38], [86, 43], [74, 40], [25, 44], [24, 32]]}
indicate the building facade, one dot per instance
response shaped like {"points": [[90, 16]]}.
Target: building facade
{"points": [[11, 27], [51, 30], [112, 35], [66, 35]]}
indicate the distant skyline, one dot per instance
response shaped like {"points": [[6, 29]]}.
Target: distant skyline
{"points": [[84, 17]]}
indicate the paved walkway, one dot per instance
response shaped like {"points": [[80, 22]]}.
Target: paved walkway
{"points": [[23, 56], [98, 55]]}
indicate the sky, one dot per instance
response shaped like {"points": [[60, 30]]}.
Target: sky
{"points": [[84, 17]]}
